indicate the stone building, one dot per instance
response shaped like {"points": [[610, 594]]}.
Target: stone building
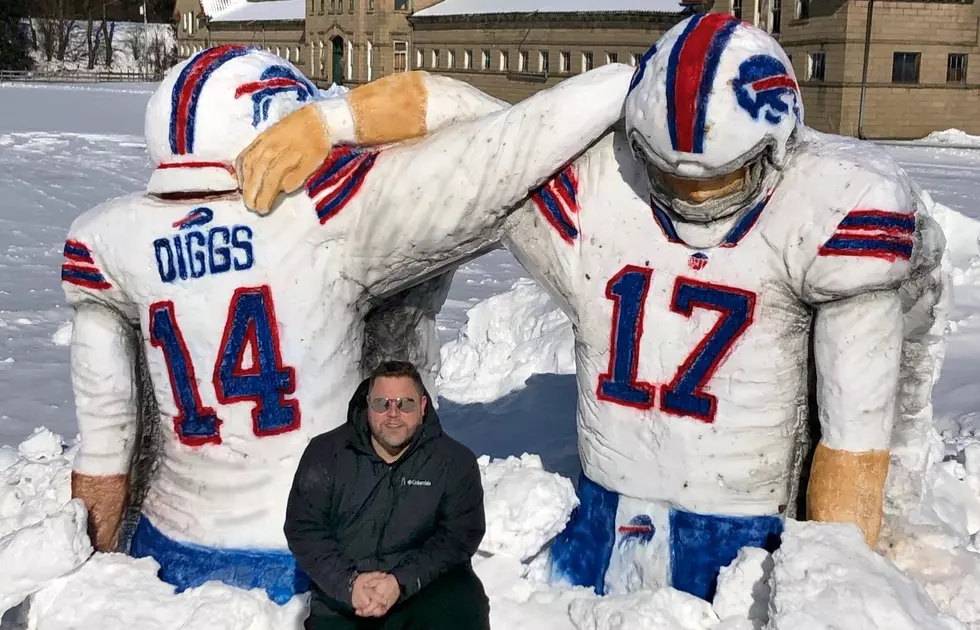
{"points": [[511, 55], [919, 78], [277, 26]]}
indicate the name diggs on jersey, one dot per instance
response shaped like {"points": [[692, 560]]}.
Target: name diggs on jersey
{"points": [[196, 250]]}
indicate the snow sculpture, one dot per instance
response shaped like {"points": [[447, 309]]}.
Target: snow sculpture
{"points": [[254, 330], [700, 250]]}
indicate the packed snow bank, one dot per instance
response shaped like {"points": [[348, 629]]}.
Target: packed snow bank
{"points": [[507, 339], [825, 576], [42, 532], [951, 136]]}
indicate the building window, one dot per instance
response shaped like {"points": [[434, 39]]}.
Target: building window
{"points": [[351, 7], [816, 66], [451, 62], [401, 5], [564, 62], [486, 59], [956, 68], [522, 58], [370, 60], [612, 57], [322, 2], [737, 8], [802, 9], [419, 57], [777, 15], [333, 6], [543, 61], [586, 61], [350, 60], [370, 5], [504, 60], [905, 67], [434, 62], [321, 58], [401, 56], [467, 59]]}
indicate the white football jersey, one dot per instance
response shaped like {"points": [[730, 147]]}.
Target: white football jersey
{"points": [[254, 326], [692, 340]]}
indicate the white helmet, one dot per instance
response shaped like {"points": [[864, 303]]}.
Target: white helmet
{"points": [[712, 96], [210, 107]]}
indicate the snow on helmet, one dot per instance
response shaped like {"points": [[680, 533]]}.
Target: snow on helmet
{"points": [[210, 107], [712, 96]]}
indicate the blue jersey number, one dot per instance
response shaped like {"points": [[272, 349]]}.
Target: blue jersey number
{"points": [[686, 394], [250, 331]]}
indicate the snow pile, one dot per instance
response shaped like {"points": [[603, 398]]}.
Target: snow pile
{"points": [[42, 532], [525, 505], [116, 592], [953, 137], [825, 576], [507, 339]]}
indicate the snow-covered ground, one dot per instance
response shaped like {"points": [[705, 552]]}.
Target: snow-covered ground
{"points": [[64, 149]]}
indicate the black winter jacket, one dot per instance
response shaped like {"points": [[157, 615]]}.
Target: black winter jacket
{"points": [[350, 511]]}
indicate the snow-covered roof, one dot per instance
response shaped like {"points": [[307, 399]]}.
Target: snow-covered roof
{"points": [[212, 8], [477, 7], [264, 10]]}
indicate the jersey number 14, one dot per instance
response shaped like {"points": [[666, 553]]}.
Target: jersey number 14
{"points": [[251, 324]]}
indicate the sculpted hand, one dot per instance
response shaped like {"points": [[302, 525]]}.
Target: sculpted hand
{"points": [[282, 158], [367, 601], [105, 499]]}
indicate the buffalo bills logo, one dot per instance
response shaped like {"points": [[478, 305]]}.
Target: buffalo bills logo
{"points": [[275, 80], [763, 86], [639, 530], [195, 218]]}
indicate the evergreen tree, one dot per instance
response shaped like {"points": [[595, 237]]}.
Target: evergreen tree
{"points": [[15, 43]]}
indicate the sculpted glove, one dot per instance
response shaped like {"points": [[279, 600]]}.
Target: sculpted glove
{"points": [[284, 156], [848, 487]]}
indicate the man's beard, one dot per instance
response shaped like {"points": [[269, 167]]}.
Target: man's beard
{"points": [[390, 444]]}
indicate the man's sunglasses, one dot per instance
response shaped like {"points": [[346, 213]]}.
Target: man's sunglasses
{"points": [[381, 405]]}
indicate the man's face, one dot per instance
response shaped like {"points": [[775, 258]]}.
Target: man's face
{"points": [[394, 428]]}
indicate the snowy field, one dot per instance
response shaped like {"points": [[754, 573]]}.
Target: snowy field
{"points": [[64, 149]]}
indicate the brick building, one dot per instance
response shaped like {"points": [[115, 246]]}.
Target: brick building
{"points": [[919, 78]]}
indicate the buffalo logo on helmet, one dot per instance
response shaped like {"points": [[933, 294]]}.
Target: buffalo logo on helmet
{"points": [[274, 81], [764, 87]]}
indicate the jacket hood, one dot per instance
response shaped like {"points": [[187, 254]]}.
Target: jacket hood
{"points": [[360, 432]]}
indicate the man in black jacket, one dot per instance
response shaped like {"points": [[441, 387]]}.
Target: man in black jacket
{"points": [[385, 514]]}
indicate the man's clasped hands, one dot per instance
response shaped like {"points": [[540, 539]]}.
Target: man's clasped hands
{"points": [[374, 594]]}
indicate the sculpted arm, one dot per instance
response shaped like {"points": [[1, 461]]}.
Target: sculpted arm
{"points": [[104, 378], [854, 284], [398, 107]]}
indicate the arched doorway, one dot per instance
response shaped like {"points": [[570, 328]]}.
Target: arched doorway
{"points": [[337, 60]]}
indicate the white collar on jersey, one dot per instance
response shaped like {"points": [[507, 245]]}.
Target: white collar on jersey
{"points": [[192, 177]]}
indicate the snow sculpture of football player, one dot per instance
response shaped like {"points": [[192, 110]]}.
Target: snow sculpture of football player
{"points": [[695, 248], [253, 327]]}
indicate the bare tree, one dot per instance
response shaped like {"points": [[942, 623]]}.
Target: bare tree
{"points": [[108, 33], [136, 41]]}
